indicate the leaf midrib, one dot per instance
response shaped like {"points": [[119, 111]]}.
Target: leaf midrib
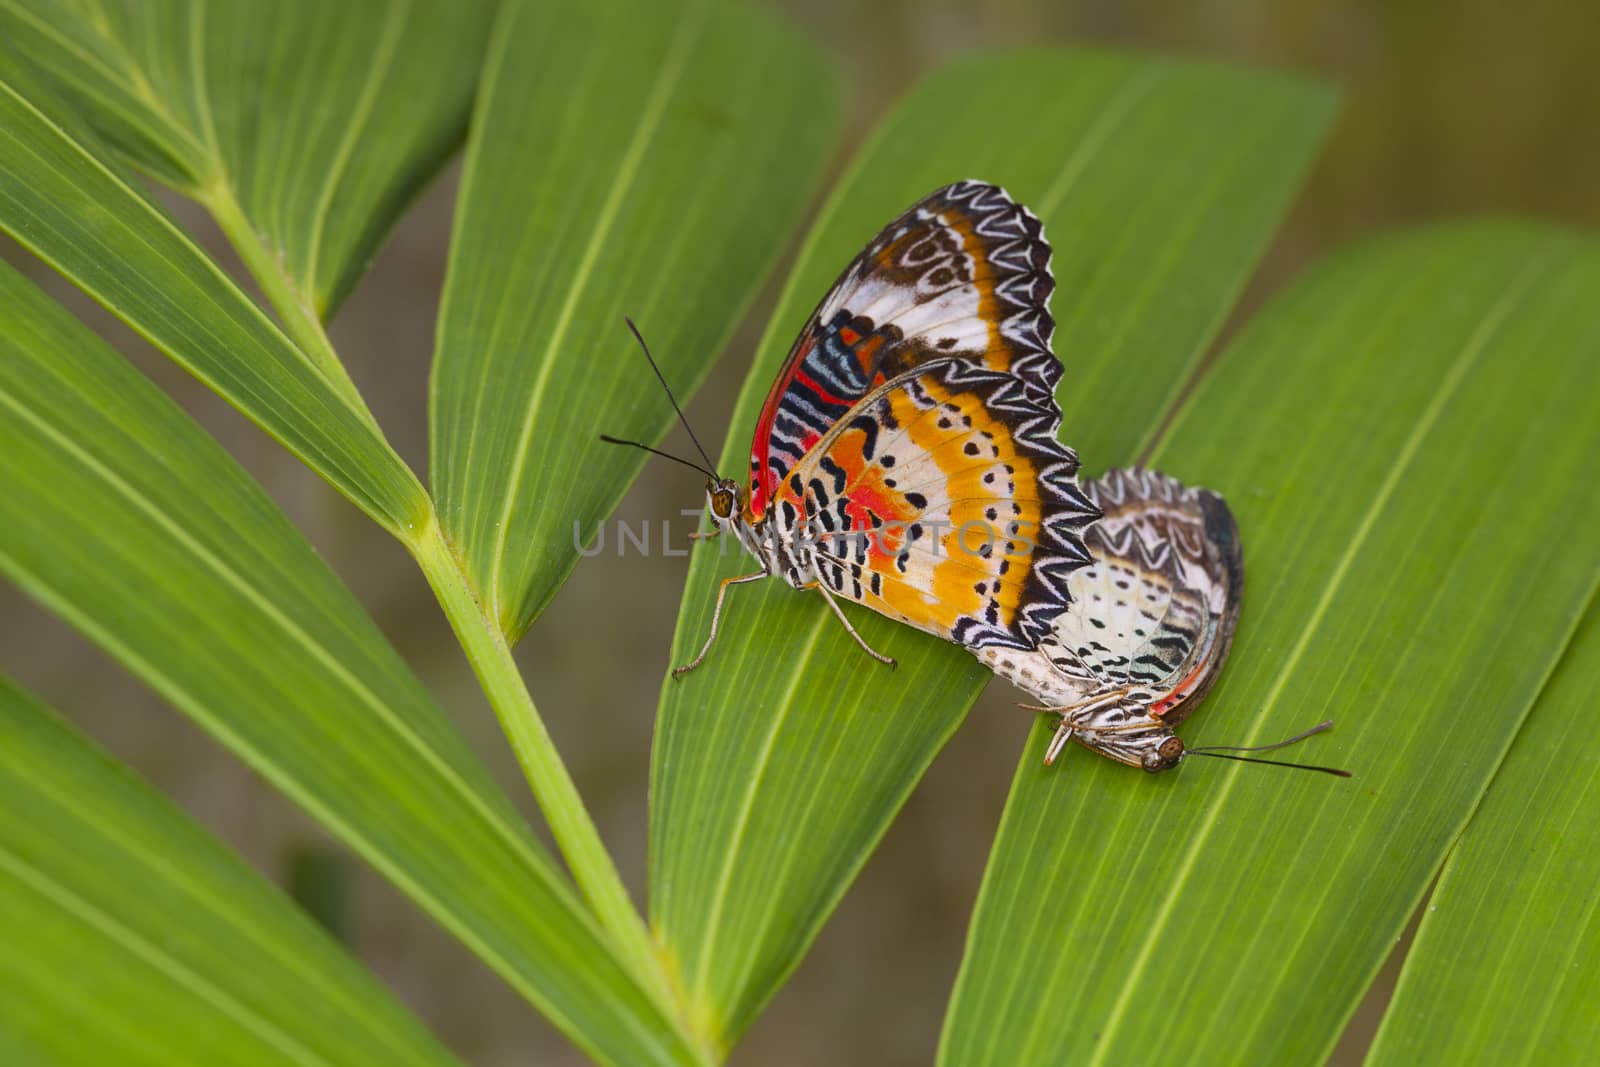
{"points": [[724, 883], [378, 69]]}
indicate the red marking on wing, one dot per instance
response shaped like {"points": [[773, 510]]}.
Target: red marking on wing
{"points": [[762, 482], [884, 542], [812, 384], [868, 498], [1179, 691]]}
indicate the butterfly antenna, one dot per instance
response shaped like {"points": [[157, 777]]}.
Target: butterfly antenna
{"points": [[1321, 727], [1221, 751], [712, 467], [608, 439], [1272, 762]]}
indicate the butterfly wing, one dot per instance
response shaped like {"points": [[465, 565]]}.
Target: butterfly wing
{"points": [[1154, 614], [964, 274], [943, 500], [1150, 624]]}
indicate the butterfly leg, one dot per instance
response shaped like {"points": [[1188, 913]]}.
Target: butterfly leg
{"points": [[707, 535], [868, 649], [1082, 708], [716, 617], [1059, 741], [1073, 717]]}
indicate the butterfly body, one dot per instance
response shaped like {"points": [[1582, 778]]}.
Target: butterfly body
{"points": [[1150, 626], [906, 457]]}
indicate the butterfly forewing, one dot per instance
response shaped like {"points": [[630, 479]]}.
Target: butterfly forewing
{"points": [[906, 457], [963, 274], [944, 501]]}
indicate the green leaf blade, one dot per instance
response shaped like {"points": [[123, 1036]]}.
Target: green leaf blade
{"points": [[191, 955], [627, 159], [92, 224], [317, 121], [788, 724], [217, 602], [1409, 580], [1506, 964], [86, 57]]}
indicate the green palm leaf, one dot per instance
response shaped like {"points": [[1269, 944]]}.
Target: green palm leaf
{"points": [[62, 199], [192, 958], [628, 159], [214, 600], [1414, 570], [303, 126], [779, 763]]}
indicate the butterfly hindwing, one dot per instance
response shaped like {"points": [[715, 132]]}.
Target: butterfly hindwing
{"points": [[1159, 604], [963, 274], [1153, 614], [943, 500]]}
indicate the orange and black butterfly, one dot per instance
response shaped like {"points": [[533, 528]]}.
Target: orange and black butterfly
{"points": [[906, 457]]}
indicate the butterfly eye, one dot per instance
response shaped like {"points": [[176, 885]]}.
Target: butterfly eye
{"points": [[722, 504], [1165, 757]]}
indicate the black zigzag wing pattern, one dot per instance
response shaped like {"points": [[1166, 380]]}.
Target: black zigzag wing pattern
{"points": [[963, 274], [1066, 511]]}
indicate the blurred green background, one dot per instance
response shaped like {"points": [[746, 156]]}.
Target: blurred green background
{"points": [[1451, 108]]}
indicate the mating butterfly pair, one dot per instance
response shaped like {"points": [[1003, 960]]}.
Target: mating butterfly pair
{"points": [[906, 459]]}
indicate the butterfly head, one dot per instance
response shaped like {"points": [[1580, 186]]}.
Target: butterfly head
{"points": [[1164, 756], [1154, 747], [723, 500]]}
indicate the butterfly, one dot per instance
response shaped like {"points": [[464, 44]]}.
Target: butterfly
{"points": [[906, 456], [1150, 625]]}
